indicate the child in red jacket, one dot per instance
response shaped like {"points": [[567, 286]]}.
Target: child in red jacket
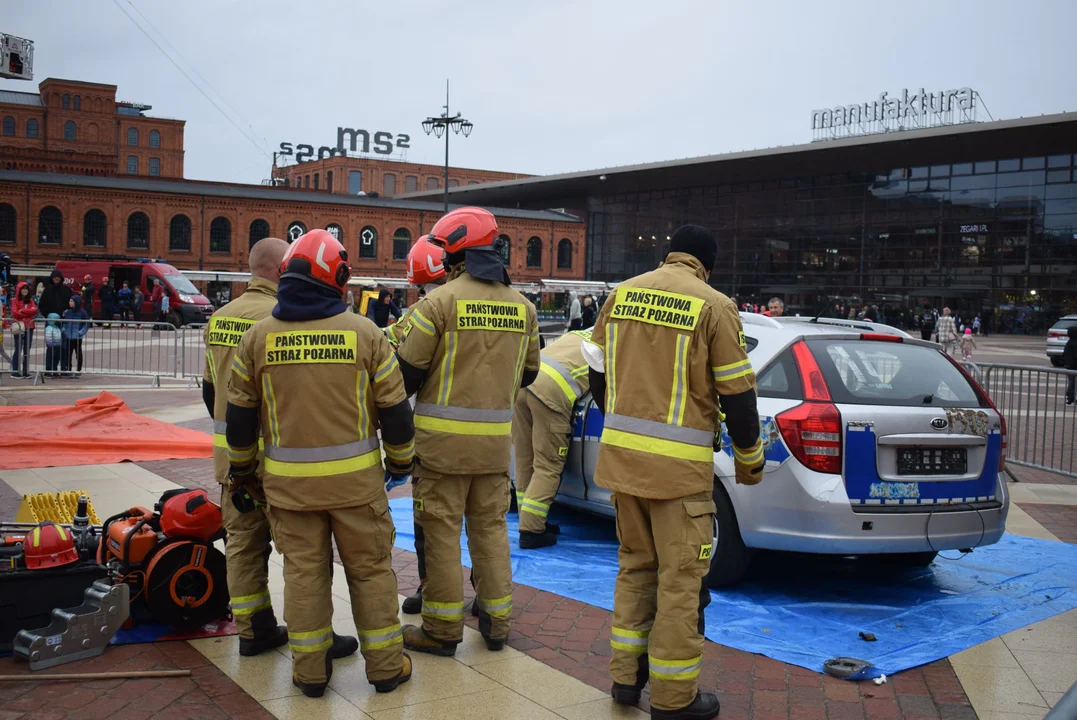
{"points": [[23, 310]]}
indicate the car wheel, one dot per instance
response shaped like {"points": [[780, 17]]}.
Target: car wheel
{"points": [[914, 559], [731, 558], [174, 319], [1056, 361]]}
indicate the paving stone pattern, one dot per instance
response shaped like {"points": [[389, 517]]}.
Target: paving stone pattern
{"points": [[1060, 520]]}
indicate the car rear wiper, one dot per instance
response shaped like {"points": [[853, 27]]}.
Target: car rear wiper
{"points": [[928, 399]]}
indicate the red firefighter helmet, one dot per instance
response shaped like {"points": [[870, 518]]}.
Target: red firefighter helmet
{"points": [[48, 546], [190, 514], [318, 258], [426, 262], [463, 228]]}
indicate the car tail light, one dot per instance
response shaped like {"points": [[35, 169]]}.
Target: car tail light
{"points": [[880, 337], [1052, 335], [812, 430], [810, 375], [990, 403]]}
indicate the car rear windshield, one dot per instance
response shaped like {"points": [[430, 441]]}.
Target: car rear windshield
{"points": [[865, 372], [181, 284], [1064, 324]]}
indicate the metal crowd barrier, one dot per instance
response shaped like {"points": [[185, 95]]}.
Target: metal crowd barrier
{"points": [[1042, 428], [117, 348]]}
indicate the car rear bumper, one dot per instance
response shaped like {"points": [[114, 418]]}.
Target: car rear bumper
{"points": [[1055, 349], [816, 517]]}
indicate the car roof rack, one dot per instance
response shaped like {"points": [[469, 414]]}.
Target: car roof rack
{"points": [[861, 325], [760, 320]]}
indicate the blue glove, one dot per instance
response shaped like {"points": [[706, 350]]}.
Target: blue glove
{"points": [[392, 481]]}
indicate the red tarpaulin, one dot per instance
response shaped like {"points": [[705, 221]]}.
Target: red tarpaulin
{"points": [[93, 431]]}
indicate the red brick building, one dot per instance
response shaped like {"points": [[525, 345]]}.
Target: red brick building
{"points": [[352, 175], [82, 174]]}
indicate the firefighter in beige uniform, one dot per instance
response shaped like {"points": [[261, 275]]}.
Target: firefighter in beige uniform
{"points": [[248, 533], [672, 347], [541, 432], [467, 349], [319, 383]]}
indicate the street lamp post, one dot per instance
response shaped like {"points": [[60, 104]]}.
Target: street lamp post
{"points": [[440, 126]]}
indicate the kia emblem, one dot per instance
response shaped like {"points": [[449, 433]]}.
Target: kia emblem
{"points": [[939, 423]]}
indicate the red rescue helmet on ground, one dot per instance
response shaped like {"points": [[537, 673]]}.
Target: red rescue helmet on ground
{"points": [[463, 228], [48, 546], [318, 258], [190, 514], [426, 263]]}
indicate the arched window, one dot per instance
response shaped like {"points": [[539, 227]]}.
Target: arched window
{"points": [[388, 185], [50, 226], [7, 223], [411, 184], [94, 229], [138, 231], [401, 244], [432, 183], [220, 235], [336, 231], [296, 230], [454, 183], [155, 139], [66, 101], [534, 253], [179, 234], [9, 126], [132, 164], [155, 167], [78, 102], [31, 128], [259, 230], [564, 254], [132, 137], [368, 242], [504, 246], [69, 130]]}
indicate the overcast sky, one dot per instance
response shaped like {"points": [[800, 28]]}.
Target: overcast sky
{"points": [[551, 85]]}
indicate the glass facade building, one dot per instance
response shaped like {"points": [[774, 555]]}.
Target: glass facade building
{"points": [[979, 217]]}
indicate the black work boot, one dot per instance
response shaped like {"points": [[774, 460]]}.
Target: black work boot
{"points": [[630, 694], [343, 646], [535, 540], [704, 707], [485, 628], [415, 638], [553, 528], [316, 690], [267, 634], [384, 686], [413, 604]]}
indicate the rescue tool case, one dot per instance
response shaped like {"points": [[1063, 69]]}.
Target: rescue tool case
{"points": [[27, 597]]}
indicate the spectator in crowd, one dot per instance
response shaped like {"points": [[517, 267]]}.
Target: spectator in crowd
{"points": [[3, 321], [986, 326], [157, 297], [967, 344], [23, 311], [108, 300], [946, 332], [137, 299], [349, 301], [776, 307], [39, 292], [976, 324], [381, 311], [124, 298], [871, 313], [1069, 361], [575, 313], [77, 325], [54, 342], [87, 294], [54, 298], [587, 312]]}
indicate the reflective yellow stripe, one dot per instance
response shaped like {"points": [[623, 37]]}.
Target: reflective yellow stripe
{"points": [[381, 638], [448, 611], [497, 607], [271, 401], [323, 469], [239, 456], [422, 323], [462, 427], [221, 440], [386, 368], [37, 537], [448, 364], [521, 358], [630, 641], [250, 604], [308, 642], [534, 507], [400, 453], [657, 446], [678, 398], [360, 401], [749, 457], [61, 533], [674, 669], [732, 371], [611, 367], [212, 366], [567, 389], [240, 369]]}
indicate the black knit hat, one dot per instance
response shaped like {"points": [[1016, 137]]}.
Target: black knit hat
{"points": [[696, 241]]}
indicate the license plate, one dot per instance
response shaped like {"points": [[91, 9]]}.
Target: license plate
{"points": [[932, 461]]}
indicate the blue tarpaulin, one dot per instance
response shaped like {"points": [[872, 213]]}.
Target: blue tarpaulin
{"points": [[805, 611]]}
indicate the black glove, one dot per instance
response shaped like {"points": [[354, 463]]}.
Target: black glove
{"points": [[246, 488]]}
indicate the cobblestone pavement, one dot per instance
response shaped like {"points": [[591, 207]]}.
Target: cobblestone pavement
{"points": [[1059, 519]]}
